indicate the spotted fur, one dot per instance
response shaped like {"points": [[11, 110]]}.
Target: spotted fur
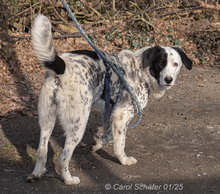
{"points": [[74, 84]]}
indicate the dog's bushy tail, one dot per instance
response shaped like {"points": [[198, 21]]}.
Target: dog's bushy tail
{"points": [[42, 40]]}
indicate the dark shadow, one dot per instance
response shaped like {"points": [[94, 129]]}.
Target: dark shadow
{"points": [[106, 156], [20, 126]]}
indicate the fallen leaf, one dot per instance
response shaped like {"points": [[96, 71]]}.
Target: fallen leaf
{"points": [[184, 75], [9, 170], [37, 86], [49, 175], [29, 114], [25, 98]]}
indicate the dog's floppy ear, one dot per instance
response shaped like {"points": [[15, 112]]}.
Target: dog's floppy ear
{"points": [[186, 61], [149, 55]]}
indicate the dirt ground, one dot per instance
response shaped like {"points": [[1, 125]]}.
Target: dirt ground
{"points": [[176, 143]]}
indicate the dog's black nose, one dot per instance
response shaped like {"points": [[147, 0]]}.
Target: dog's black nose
{"points": [[168, 80]]}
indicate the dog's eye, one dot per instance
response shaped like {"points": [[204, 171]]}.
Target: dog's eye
{"points": [[175, 64], [161, 65]]}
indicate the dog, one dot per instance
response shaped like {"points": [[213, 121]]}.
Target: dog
{"points": [[74, 83]]}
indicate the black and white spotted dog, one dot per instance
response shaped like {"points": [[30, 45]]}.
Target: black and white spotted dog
{"points": [[74, 83]]}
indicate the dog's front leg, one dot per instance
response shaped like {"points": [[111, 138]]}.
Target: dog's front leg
{"points": [[120, 121]]}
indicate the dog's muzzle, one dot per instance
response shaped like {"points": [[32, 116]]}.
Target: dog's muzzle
{"points": [[168, 80]]}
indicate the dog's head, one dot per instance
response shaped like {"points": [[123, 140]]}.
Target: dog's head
{"points": [[165, 63]]}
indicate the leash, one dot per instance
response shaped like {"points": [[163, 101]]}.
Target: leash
{"points": [[109, 65]]}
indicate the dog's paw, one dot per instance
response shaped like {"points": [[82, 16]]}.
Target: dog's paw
{"points": [[159, 94], [96, 146], [34, 177], [128, 161], [73, 181]]}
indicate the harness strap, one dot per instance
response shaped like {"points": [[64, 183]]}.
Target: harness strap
{"points": [[107, 94], [103, 97]]}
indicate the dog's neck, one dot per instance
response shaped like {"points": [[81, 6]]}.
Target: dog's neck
{"points": [[156, 90]]}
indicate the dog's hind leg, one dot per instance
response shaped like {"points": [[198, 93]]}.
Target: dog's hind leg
{"points": [[107, 127], [47, 119], [106, 137], [74, 120]]}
